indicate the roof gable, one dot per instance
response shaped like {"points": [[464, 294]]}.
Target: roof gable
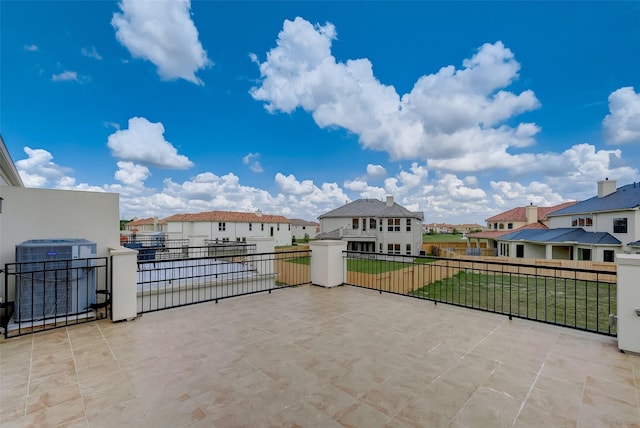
{"points": [[228, 216], [371, 208], [624, 198], [563, 235]]}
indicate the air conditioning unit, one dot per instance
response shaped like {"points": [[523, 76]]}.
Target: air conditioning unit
{"points": [[54, 279]]}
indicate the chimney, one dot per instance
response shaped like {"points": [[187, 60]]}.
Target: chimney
{"points": [[258, 213], [606, 187], [532, 213], [389, 201]]}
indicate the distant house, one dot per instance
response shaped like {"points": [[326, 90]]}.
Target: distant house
{"points": [[146, 226], [450, 228], [519, 218], [228, 226], [303, 228], [370, 225], [594, 229]]}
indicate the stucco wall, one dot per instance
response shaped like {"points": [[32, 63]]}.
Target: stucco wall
{"points": [[57, 214]]}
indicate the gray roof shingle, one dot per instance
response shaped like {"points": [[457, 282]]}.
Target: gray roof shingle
{"points": [[563, 234], [624, 198], [372, 208]]}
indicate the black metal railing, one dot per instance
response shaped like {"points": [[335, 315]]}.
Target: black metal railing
{"points": [[53, 294], [578, 298], [164, 284]]}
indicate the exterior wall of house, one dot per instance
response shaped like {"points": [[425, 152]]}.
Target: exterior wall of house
{"points": [[299, 232], [603, 222], [380, 235], [232, 231], [29, 213]]}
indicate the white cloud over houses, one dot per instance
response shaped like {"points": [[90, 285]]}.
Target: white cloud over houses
{"points": [[39, 170], [162, 32], [69, 76], [622, 124], [376, 171], [251, 159], [31, 48], [143, 142], [451, 116], [91, 53]]}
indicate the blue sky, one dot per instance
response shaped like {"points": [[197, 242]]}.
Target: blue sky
{"points": [[457, 109]]}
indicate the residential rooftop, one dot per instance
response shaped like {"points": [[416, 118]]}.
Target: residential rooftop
{"points": [[318, 357], [520, 213], [623, 198]]}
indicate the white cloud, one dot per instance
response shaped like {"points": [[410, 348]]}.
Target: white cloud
{"points": [[39, 170], [67, 75], [131, 174], [376, 171], [91, 53], [254, 164], [31, 48], [143, 142], [622, 124], [454, 116], [163, 33]]}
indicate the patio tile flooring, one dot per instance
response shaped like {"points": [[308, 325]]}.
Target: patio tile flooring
{"points": [[316, 357]]}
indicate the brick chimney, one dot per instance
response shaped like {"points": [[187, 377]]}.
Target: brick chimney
{"points": [[606, 187], [532, 213], [389, 201]]}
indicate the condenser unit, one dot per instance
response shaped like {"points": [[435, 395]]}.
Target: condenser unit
{"points": [[54, 278]]}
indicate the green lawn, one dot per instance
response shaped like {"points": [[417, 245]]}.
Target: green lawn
{"points": [[444, 237], [368, 265], [582, 304]]}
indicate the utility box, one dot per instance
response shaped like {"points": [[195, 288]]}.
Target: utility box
{"points": [[628, 302], [54, 279]]}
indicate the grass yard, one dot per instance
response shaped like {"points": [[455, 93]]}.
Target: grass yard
{"points": [[582, 304], [368, 265]]}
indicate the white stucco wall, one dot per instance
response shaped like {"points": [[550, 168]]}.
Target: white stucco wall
{"points": [[57, 214], [233, 230]]}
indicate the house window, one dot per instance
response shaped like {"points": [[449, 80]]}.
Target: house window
{"points": [[495, 225], [355, 223], [304, 227], [408, 249], [408, 226], [584, 253], [608, 256], [582, 221], [222, 227], [262, 227], [380, 247], [520, 251], [510, 226], [393, 225], [501, 226], [393, 248], [225, 239], [372, 223], [278, 227], [250, 226], [620, 225]]}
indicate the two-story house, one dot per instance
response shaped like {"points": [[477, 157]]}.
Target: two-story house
{"points": [[374, 226], [229, 226], [594, 229], [301, 229], [515, 219], [146, 226]]}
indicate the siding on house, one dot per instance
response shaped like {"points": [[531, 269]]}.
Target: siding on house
{"points": [[230, 226], [371, 225]]}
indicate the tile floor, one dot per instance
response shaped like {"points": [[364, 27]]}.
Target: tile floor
{"points": [[316, 357]]}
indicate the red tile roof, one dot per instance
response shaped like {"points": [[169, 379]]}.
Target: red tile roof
{"points": [[520, 213], [493, 234], [228, 216], [143, 221]]}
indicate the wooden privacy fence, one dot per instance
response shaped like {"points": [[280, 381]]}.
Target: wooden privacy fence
{"points": [[405, 280]]}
